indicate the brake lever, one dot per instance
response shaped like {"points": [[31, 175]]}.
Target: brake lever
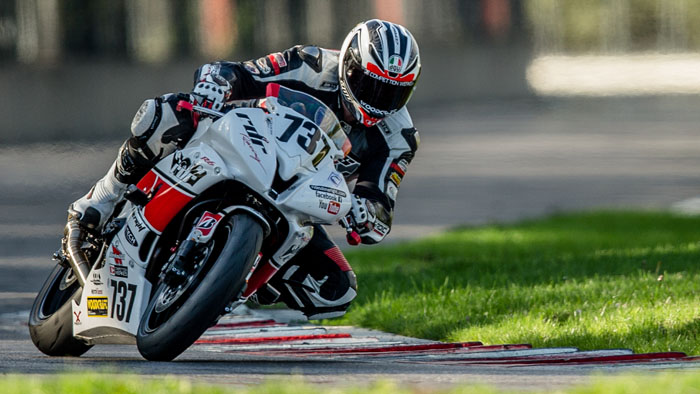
{"points": [[186, 105], [351, 235]]}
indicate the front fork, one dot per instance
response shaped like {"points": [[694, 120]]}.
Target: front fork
{"points": [[182, 262]]}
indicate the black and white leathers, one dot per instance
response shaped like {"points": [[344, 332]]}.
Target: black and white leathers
{"points": [[380, 154]]}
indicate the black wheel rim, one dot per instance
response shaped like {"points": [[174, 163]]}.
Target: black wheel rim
{"points": [[61, 289]]}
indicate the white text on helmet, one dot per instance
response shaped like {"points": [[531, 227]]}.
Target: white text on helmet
{"points": [[387, 80]]}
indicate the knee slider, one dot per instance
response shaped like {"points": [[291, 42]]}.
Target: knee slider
{"points": [[132, 163]]}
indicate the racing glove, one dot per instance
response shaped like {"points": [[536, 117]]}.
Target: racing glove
{"points": [[211, 90], [369, 219]]}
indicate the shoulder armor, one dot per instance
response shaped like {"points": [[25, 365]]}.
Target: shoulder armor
{"points": [[399, 133], [311, 55], [396, 122], [146, 117]]}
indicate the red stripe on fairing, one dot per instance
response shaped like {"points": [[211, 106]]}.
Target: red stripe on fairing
{"points": [[373, 68], [223, 341], [166, 203], [398, 169], [338, 258], [275, 65]]}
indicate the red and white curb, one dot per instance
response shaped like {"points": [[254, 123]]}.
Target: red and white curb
{"points": [[260, 333]]}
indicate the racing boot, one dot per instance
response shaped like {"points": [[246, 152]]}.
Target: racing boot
{"points": [[94, 208], [88, 214]]}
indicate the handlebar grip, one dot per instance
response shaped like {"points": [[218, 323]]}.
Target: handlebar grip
{"points": [[184, 104], [354, 238]]}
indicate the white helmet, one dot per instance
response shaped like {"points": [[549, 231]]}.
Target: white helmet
{"points": [[379, 65]]}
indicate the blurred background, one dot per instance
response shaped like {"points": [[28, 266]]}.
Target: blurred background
{"points": [[87, 64], [525, 107]]}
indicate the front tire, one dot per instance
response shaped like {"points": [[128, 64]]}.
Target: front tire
{"points": [[51, 317], [170, 325]]}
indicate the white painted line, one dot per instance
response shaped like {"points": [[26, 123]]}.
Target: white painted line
{"points": [[304, 345], [261, 334], [465, 354], [535, 353]]}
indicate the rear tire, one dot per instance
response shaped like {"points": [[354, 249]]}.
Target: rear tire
{"points": [[51, 317], [168, 329]]}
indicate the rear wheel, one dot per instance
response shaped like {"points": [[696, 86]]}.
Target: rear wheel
{"points": [[177, 315], [51, 317]]}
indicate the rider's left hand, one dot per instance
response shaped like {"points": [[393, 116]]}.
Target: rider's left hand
{"points": [[365, 220]]}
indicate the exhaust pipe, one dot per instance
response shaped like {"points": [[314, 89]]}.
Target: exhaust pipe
{"points": [[78, 260]]}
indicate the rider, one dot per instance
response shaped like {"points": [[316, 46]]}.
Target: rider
{"points": [[367, 84]]}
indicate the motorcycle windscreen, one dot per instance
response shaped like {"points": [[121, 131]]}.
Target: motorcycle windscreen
{"points": [[314, 110]]}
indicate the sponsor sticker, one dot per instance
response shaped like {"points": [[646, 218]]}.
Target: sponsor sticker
{"points": [[333, 207], [396, 178], [97, 306], [77, 318], [207, 223], [395, 64], [130, 238], [403, 165], [137, 223], [325, 189], [183, 169], [208, 161], [96, 279], [119, 270], [335, 178], [380, 228], [116, 255]]}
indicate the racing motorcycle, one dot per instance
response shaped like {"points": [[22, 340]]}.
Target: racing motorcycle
{"points": [[200, 233]]}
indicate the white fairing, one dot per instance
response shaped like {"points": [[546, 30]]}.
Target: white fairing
{"points": [[113, 300], [249, 145], [242, 139]]}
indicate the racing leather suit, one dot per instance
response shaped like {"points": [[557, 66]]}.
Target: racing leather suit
{"points": [[318, 280]]}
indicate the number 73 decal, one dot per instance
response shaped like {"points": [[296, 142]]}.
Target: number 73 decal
{"points": [[308, 140]]}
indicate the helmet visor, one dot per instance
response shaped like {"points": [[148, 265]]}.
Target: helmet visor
{"points": [[379, 96]]}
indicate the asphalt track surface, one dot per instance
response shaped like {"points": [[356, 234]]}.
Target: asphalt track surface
{"points": [[477, 163]]}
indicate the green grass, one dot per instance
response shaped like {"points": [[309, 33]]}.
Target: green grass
{"points": [[93, 383], [592, 280]]}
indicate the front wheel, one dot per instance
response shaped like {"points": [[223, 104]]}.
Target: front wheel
{"points": [[176, 316], [51, 317]]}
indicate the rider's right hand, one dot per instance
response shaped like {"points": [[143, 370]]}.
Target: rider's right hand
{"points": [[211, 90]]}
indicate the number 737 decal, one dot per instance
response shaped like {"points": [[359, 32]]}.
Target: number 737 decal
{"points": [[122, 299]]}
